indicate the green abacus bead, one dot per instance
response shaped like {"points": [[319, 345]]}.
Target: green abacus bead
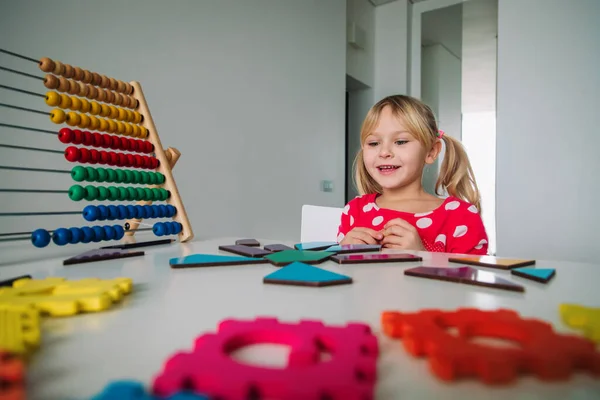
{"points": [[131, 193], [145, 177], [128, 177], [151, 194], [76, 192], [164, 194], [91, 193], [120, 176], [102, 193], [140, 194], [78, 174], [122, 193], [102, 174], [111, 175], [160, 178], [92, 175], [151, 178], [137, 177], [113, 193]]}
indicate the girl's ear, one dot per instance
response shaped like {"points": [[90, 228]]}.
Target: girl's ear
{"points": [[433, 152]]}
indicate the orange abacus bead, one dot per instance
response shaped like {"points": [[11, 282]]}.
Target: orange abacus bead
{"points": [[113, 83], [96, 79], [85, 105], [103, 125], [94, 123], [104, 82], [52, 99], [46, 64], [118, 99], [100, 95], [104, 110], [73, 87], [59, 68], [63, 84], [51, 82], [85, 121], [83, 89], [112, 126], [128, 88], [58, 116], [92, 92], [77, 73], [114, 112], [68, 71], [87, 76], [122, 115], [110, 96], [65, 101], [73, 119], [95, 108], [75, 103], [120, 86]]}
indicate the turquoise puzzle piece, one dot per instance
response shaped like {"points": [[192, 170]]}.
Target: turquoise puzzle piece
{"points": [[314, 245], [212, 260], [131, 390], [537, 274], [301, 274]]}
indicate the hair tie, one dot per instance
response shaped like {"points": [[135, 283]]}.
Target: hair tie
{"points": [[440, 133]]}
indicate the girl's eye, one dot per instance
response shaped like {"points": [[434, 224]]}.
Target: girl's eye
{"points": [[401, 142], [372, 144]]}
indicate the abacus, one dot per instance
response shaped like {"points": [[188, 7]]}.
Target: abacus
{"points": [[108, 131]]}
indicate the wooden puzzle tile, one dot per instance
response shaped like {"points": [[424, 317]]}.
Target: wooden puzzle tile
{"points": [[314, 245], [12, 377], [134, 245], [535, 274], [466, 275], [289, 256], [101, 255], [586, 319], [19, 328], [492, 262], [353, 248], [212, 260], [301, 274], [131, 390], [247, 251], [248, 242], [374, 258], [274, 248]]}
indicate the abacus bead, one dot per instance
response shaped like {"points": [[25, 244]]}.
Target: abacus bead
{"points": [[121, 114], [73, 118], [83, 89], [122, 193], [94, 156], [160, 178], [58, 116], [171, 211], [128, 115], [131, 211], [85, 105], [51, 81], [147, 211], [133, 145], [96, 139], [178, 227], [90, 213], [75, 103], [145, 132], [92, 175], [84, 121], [96, 79], [145, 177], [104, 157], [114, 159], [94, 122], [131, 194], [102, 193], [124, 143], [127, 176], [123, 160], [73, 87], [150, 194], [91, 193], [139, 161], [113, 212], [162, 210], [159, 229], [113, 193], [98, 233], [46, 64], [120, 127], [130, 160], [88, 138], [122, 211], [52, 99], [151, 178], [139, 212], [61, 236], [68, 71], [112, 126], [92, 93], [76, 235], [154, 211], [40, 238], [137, 176], [120, 176], [72, 154], [119, 232], [115, 142], [140, 194], [109, 232], [110, 96], [65, 101], [113, 83], [102, 174], [65, 135], [104, 82], [79, 174], [169, 228], [88, 234], [128, 129], [137, 117], [63, 84], [136, 131], [77, 136], [85, 155], [149, 147], [87, 76], [103, 125], [111, 175], [114, 112], [120, 86], [103, 210], [118, 99], [104, 110], [94, 108]]}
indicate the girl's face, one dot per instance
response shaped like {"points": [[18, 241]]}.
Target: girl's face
{"points": [[392, 156]]}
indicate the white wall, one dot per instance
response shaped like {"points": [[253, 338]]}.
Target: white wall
{"points": [[252, 93], [547, 156]]}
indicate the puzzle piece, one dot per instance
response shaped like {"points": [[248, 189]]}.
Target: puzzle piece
{"points": [[212, 260], [374, 258], [247, 242], [586, 319], [101, 255], [9, 282], [12, 377], [19, 328], [301, 274], [247, 251], [466, 275], [492, 262], [60, 297], [289, 256], [314, 245], [353, 248], [350, 374], [542, 352], [540, 275], [274, 248], [131, 390]]}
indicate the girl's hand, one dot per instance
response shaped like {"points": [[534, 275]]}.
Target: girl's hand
{"points": [[399, 234], [362, 236]]}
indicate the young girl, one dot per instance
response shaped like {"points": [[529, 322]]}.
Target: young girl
{"points": [[398, 138]]}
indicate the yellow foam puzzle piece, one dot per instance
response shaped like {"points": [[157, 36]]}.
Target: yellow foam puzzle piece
{"points": [[19, 328], [586, 319]]}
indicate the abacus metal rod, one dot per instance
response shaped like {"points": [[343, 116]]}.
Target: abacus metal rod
{"points": [[26, 128], [20, 56], [32, 191], [62, 171], [14, 71], [25, 214], [22, 91], [10, 146], [24, 109], [28, 237]]}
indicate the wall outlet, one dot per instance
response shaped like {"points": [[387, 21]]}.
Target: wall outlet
{"points": [[327, 186]]}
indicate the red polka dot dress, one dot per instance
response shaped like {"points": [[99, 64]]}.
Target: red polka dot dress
{"points": [[453, 227]]}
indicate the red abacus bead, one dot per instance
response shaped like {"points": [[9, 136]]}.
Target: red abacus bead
{"points": [[94, 156], [124, 143], [97, 139], [104, 157], [131, 160], [85, 155], [155, 163], [133, 145], [122, 160], [106, 141], [139, 161], [65, 135], [72, 154], [113, 158], [77, 136], [88, 138], [115, 142], [149, 147]]}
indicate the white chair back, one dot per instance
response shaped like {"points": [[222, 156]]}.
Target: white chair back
{"points": [[319, 223]]}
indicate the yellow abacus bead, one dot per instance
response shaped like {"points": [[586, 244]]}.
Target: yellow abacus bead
{"points": [[52, 99], [114, 112], [104, 110], [120, 127], [85, 121], [112, 126], [144, 134], [94, 123], [73, 119], [122, 115], [85, 105], [136, 130], [103, 125], [94, 108], [128, 129], [128, 115], [75, 103], [138, 117], [58, 116], [65, 101]]}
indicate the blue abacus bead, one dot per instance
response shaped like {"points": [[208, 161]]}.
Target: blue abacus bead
{"points": [[171, 211], [61, 236], [139, 212], [109, 232], [162, 210], [147, 211], [90, 213], [122, 211], [154, 211], [113, 213], [40, 238], [98, 233], [131, 212], [88, 234], [76, 235], [170, 228], [178, 228], [159, 229], [103, 210], [119, 232]]}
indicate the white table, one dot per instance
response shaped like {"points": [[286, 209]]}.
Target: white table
{"points": [[169, 308]]}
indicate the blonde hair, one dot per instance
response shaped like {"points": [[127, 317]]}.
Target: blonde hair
{"points": [[456, 175]]}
